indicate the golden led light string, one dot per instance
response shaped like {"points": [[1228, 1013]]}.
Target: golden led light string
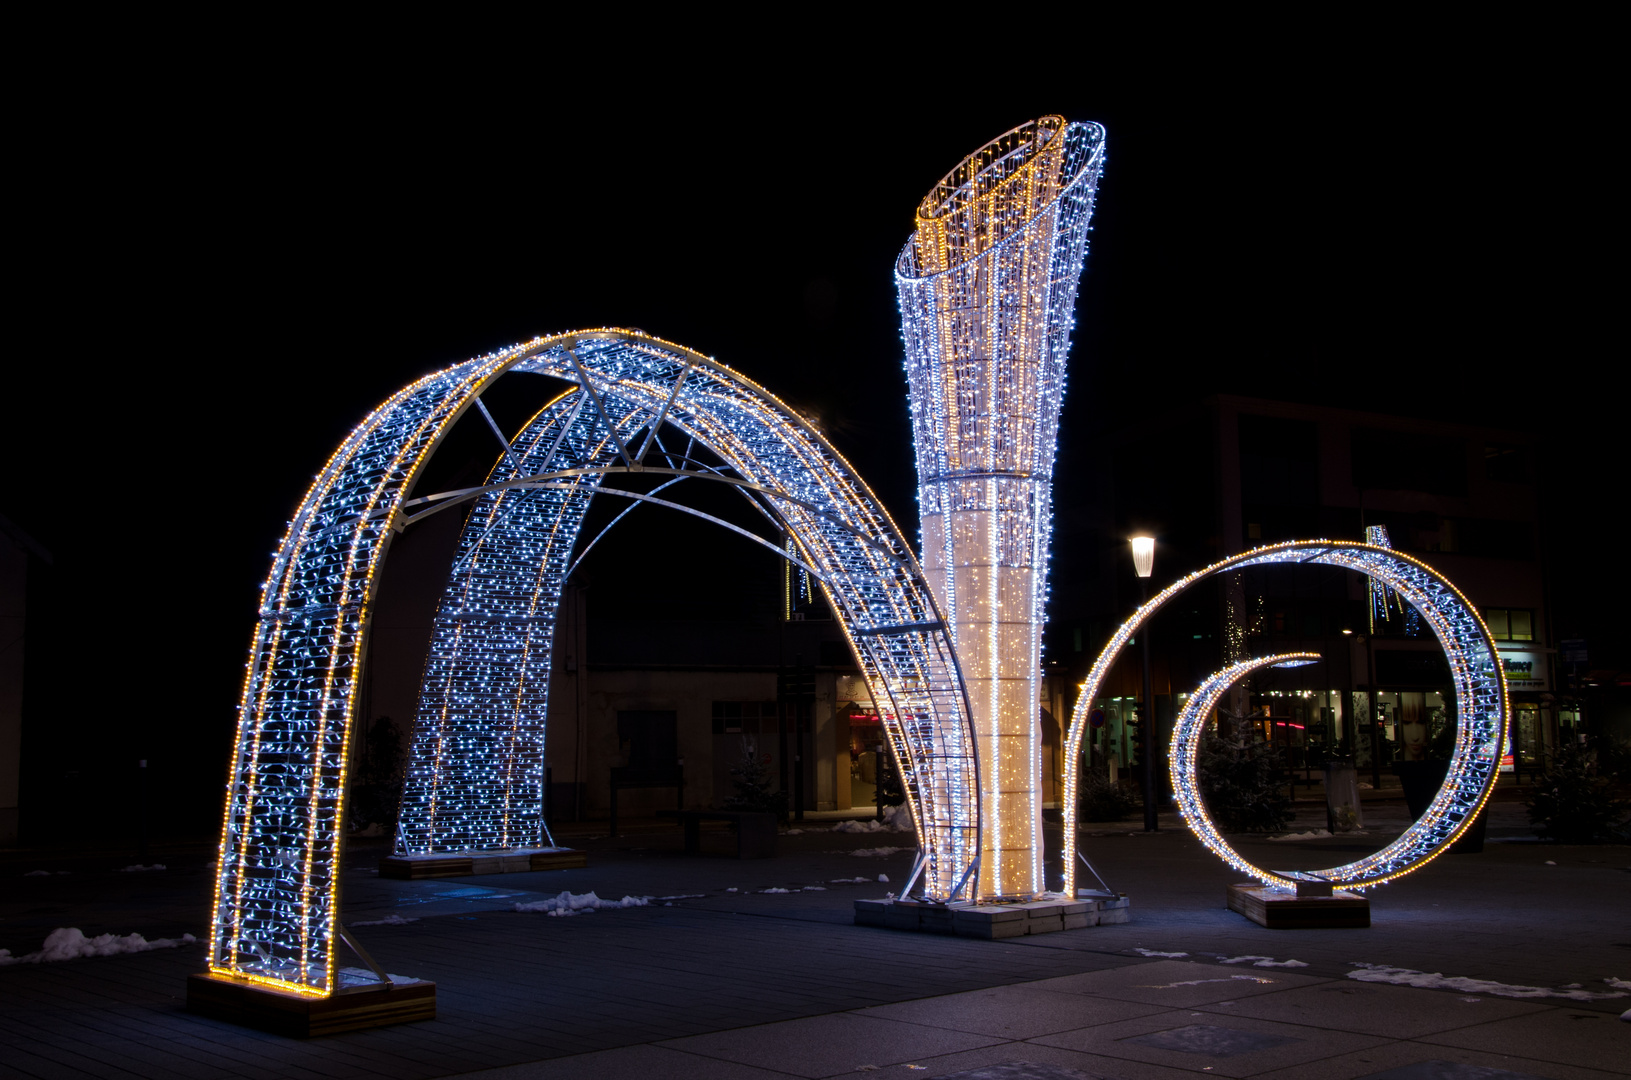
{"points": [[1481, 696]]}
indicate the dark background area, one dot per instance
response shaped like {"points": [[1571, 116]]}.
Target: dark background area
{"points": [[226, 264]]}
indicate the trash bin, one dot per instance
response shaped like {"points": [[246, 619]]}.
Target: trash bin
{"points": [[1342, 809]]}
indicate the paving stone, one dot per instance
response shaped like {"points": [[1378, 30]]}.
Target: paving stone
{"points": [[1212, 1041]]}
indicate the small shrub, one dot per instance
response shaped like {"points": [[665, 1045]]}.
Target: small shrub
{"points": [[1580, 799], [1103, 799]]}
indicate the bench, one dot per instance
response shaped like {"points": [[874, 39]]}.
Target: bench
{"points": [[755, 831]]}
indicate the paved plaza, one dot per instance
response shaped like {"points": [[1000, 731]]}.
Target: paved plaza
{"points": [[704, 981]]}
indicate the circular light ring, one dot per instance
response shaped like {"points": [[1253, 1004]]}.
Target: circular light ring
{"points": [[1480, 685], [1184, 760]]}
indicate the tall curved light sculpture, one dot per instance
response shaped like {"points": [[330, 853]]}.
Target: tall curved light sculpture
{"points": [[276, 889], [987, 289], [1480, 684]]}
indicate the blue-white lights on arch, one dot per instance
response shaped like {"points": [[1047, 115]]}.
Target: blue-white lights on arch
{"points": [[476, 756], [1481, 702]]}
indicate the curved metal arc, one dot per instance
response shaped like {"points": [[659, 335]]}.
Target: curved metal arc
{"points": [[1364, 558], [446, 499], [609, 525], [1186, 737]]}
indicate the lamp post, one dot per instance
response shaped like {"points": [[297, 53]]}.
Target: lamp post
{"points": [[1144, 565]]}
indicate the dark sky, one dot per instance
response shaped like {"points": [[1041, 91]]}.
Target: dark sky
{"points": [[229, 272]]}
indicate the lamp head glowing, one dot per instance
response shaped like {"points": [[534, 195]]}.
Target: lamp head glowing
{"points": [[1144, 555]]}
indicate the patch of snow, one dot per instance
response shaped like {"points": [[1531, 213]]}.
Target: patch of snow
{"points": [[1618, 984], [1198, 982], [895, 819], [1316, 834], [681, 896], [774, 890], [570, 903], [139, 868], [849, 881], [731, 889], [815, 888], [884, 878], [69, 943], [392, 919], [1261, 961], [1155, 952], [792, 832], [876, 852], [1549, 862], [1433, 980], [353, 976]]}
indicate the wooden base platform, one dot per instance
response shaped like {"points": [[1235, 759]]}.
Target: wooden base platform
{"points": [[239, 1001], [992, 921], [466, 863], [1288, 911]]}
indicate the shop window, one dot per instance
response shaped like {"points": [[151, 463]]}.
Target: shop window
{"points": [[1510, 624]]}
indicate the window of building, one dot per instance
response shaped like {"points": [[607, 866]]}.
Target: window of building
{"points": [[1510, 624], [744, 717], [1407, 461], [1508, 464]]}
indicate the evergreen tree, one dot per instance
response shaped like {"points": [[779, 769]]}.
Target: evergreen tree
{"points": [[752, 782], [1243, 779]]}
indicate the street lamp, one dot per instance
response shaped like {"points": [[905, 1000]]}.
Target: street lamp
{"points": [[1144, 565]]}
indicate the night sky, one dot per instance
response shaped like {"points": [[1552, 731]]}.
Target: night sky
{"points": [[240, 270]]}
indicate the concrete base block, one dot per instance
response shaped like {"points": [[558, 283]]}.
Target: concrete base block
{"points": [[1288, 911], [467, 863], [239, 1001], [992, 922]]}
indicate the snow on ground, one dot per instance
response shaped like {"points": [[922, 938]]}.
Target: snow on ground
{"points": [[884, 878], [43, 873], [1261, 961], [774, 890], [895, 819], [1154, 952], [1618, 984], [1199, 982], [850, 881], [392, 919], [70, 943], [1433, 980], [139, 868], [570, 903], [877, 852], [815, 888]]}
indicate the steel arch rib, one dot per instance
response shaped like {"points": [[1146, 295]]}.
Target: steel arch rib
{"points": [[276, 886], [1481, 698]]}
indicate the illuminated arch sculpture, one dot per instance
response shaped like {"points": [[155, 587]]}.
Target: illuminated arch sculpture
{"points": [[276, 891], [987, 288], [1481, 700]]}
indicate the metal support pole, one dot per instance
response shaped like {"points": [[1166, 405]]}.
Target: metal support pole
{"points": [[1147, 766]]}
